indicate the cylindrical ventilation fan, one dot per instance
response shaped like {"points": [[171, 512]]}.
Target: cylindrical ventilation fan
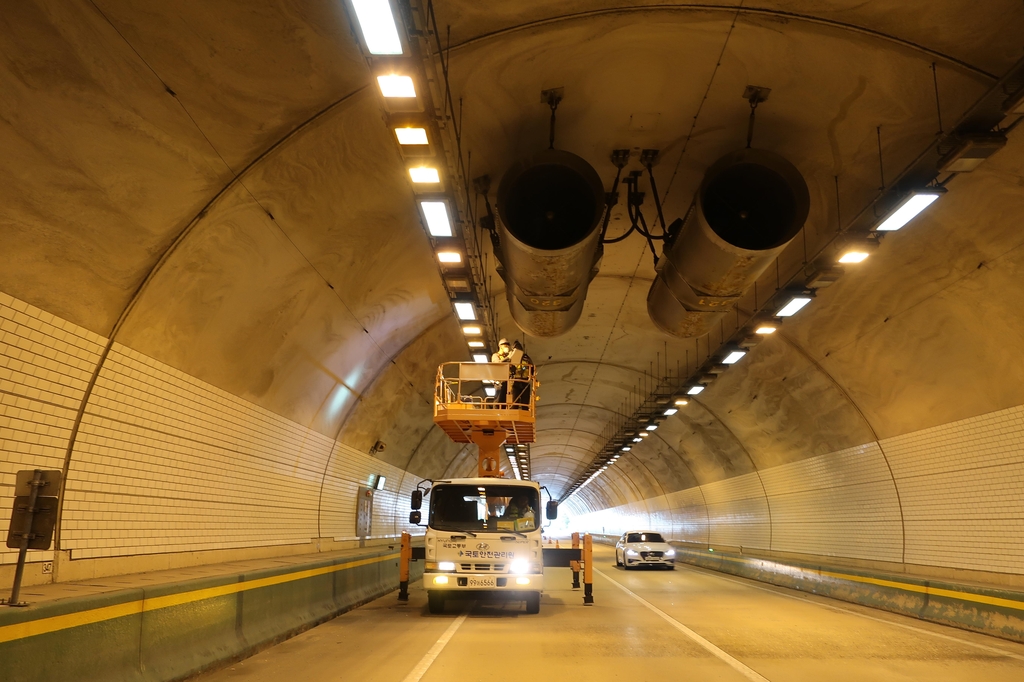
{"points": [[750, 205], [549, 208]]}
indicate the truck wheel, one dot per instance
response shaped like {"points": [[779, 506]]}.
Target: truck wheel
{"points": [[435, 602], [533, 603]]}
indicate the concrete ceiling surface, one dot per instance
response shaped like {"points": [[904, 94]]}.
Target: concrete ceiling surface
{"points": [[214, 183]]}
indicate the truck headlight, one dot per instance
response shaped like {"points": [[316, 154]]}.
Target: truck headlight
{"points": [[441, 580], [520, 566], [446, 566]]}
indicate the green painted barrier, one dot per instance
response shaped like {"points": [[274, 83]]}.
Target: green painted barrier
{"points": [[173, 631]]}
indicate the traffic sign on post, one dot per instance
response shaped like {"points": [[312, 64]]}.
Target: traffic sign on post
{"points": [[32, 520]]}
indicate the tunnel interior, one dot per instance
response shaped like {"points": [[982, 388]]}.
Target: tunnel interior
{"points": [[223, 313]]}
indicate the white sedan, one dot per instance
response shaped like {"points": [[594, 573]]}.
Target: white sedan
{"points": [[644, 548]]}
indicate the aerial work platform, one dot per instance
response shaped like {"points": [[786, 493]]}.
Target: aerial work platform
{"points": [[465, 411]]}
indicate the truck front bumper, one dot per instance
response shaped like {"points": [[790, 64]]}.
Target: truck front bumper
{"points": [[483, 582]]}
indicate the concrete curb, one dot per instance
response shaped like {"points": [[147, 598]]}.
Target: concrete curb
{"points": [[173, 631], [991, 611]]}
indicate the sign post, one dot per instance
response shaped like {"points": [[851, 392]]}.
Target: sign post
{"points": [[32, 520]]}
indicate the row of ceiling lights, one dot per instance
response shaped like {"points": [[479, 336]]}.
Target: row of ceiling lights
{"points": [[414, 130], [788, 304], [519, 459]]}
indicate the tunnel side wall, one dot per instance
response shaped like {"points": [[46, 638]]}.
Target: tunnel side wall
{"points": [[946, 501], [172, 631], [167, 471]]}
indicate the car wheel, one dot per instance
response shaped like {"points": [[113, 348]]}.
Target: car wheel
{"points": [[618, 561], [533, 603], [435, 602]]}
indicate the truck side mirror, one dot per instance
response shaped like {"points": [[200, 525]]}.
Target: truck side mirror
{"points": [[414, 518], [417, 499], [552, 509]]}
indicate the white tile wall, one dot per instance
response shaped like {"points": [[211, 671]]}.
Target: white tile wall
{"points": [[164, 462], [962, 488], [955, 498], [45, 366]]}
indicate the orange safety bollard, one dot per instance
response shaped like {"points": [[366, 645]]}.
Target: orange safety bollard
{"points": [[575, 565], [588, 570], [404, 557]]}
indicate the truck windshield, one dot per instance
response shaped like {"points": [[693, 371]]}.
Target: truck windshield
{"points": [[487, 507]]}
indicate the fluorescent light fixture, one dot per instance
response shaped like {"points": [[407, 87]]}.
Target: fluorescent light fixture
{"points": [[436, 215], [476, 344], [411, 136], [854, 257], [423, 175], [794, 306], [396, 86], [508, 448], [734, 357], [480, 357], [694, 390], [490, 391], [465, 310], [644, 434], [471, 330], [378, 26], [907, 210], [626, 448], [651, 427], [765, 329], [670, 411], [682, 401], [637, 439], [449, 256]]}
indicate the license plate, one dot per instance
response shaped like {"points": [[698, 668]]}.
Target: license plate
{"points": [[480, 582]]}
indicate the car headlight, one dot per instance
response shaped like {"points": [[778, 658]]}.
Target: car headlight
{"points": [[520, 566], [670, 552], [632, 552], [446, 566]]}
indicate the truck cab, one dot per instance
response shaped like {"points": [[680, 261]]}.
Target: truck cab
{"points": [[483, 538]]}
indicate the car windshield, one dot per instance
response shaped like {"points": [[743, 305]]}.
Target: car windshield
{"points": [[476, 508], [644, 537]]}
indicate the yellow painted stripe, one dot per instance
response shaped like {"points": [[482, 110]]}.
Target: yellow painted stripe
{"points": [[910, 587], [71, 620]]}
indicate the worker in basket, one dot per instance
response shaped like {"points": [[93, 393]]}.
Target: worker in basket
{"points": [[522, 373], [504, 354]]}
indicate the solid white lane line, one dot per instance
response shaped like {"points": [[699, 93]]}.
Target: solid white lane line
{"points": [[742, 669], [778, 591], [428, 659]]}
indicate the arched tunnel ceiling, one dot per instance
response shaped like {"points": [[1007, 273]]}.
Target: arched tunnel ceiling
{"points": [[215, 185]]}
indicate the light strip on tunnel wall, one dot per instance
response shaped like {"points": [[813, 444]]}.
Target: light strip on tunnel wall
{"points": [[411, 136], [435, 213], [734, 357], [377, 23], [424, 175], [793, 306], [908, 209], [395, 86]]}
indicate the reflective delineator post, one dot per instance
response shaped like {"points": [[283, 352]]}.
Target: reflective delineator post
{"points": [[588, 570], [575, 565], [404, 557]]}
